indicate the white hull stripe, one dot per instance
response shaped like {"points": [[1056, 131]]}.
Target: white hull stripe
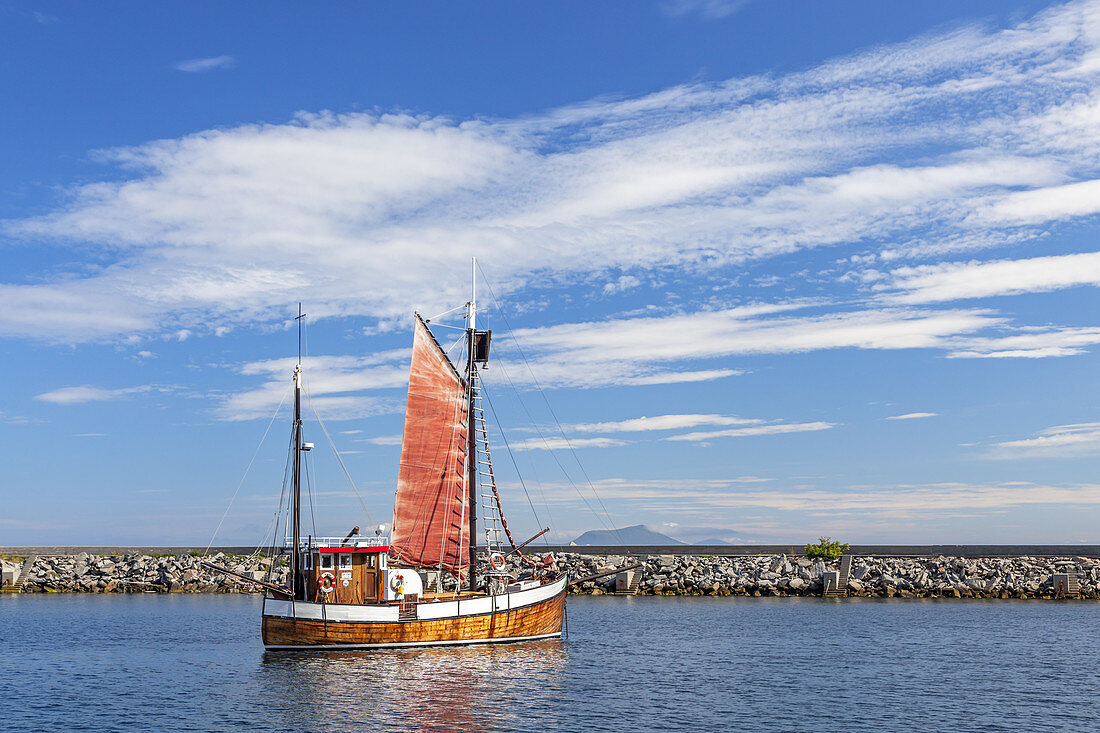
{"points": [[455, 642], [425, 611]]}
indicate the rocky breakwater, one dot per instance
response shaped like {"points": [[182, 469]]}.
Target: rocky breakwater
{"points": [[672, 575], [884, 577], [86, 573]]}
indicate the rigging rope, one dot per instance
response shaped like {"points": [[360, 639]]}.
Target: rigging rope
{"points": [[542, 393], [282, 492], [523, 484], [309, 490], [241, 483], [335, 452]]}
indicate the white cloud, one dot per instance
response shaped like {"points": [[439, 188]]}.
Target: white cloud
{"points": [[205, 64], [333, 386], [710, 9], [1028, 344], [15, 419], [709, 495], [957, 280], [771, 429], [552, 444], [638, 350], [1060, 440], [1046, 204], [911, 416], [211, 228], [657, 422], [749, 426], [88, 393], [383, 440], [625, 282]]}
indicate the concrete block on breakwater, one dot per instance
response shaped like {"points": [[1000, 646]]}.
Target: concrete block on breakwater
{"points": [[673, 575], [886, 577]]}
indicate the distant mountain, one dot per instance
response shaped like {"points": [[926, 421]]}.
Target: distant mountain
{"points": [[710, 541], [639, 534]]}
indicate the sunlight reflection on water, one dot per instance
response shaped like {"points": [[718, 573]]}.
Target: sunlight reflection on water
{"points": [[472, 688]]}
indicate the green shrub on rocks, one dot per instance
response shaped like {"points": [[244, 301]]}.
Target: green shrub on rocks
{"points": [[826, 549]]}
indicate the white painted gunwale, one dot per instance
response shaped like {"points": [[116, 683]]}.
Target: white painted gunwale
{"points": [[425, 611]]}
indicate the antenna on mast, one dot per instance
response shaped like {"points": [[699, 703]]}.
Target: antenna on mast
{"points": [[299, 320]]}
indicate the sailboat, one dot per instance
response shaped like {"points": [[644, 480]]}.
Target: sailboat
{"points": [[363, 591]]}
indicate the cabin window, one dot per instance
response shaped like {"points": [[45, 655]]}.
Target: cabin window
{"points": [[345, 562], [307, 561], [326, 561], [368, 562]]}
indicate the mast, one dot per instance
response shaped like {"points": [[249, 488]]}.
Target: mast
{"points": [[471, 442], [295, 555]]}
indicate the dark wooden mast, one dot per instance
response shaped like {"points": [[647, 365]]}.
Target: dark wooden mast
{"points": [[295, 554], [471, 448]]}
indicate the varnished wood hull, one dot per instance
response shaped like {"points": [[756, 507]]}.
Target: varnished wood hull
{"points": [[537, 620]]}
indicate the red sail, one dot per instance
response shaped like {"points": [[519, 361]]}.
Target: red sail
{"points": [[431, 523]]}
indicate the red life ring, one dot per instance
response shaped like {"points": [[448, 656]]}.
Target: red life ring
{"points": [[496, 561], [326, 582]]}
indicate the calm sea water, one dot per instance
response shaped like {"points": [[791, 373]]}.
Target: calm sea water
{"points": [[150, 662]]}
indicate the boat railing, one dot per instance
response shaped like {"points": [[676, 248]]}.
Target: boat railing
{"points": [[371, 541]]}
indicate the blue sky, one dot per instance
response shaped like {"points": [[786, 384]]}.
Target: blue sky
{"points": [[784, 269]]}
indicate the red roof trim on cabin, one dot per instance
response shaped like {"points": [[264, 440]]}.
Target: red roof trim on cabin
{"points": [[379, 548]]}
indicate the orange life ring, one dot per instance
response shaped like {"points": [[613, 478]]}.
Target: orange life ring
{"points": [[496, 561], [326, 582]]}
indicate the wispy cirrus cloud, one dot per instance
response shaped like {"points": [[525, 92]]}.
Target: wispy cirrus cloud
{"points": [[658, 422], [903, 500], [631, 350], [1029, 343], [337, 387], [88, 393], [778, 428], [382, 440], [976, 279], [1060, 440], [911, 416], [564, 444], [210, 63], [663, 423], [710, 9], [920, 148]]}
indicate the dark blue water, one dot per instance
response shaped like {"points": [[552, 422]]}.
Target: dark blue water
{"points": [[151, 662]]}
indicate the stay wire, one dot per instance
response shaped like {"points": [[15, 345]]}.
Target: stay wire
{"points": [[351, 481], [554, 455], [282, 493], [496, 302], [246, 470], [508, 448], [309, 490]]}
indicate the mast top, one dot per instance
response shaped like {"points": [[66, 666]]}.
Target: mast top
{"points": [[299, 320]]}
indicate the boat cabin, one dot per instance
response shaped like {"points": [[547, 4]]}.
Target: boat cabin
{"points": [[355, 571], [339, 572]]}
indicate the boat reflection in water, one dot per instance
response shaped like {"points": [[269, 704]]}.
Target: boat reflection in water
{"points": [[471, 688]]}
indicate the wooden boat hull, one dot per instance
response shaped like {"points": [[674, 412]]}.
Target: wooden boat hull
{"points": [[533, 614]]}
